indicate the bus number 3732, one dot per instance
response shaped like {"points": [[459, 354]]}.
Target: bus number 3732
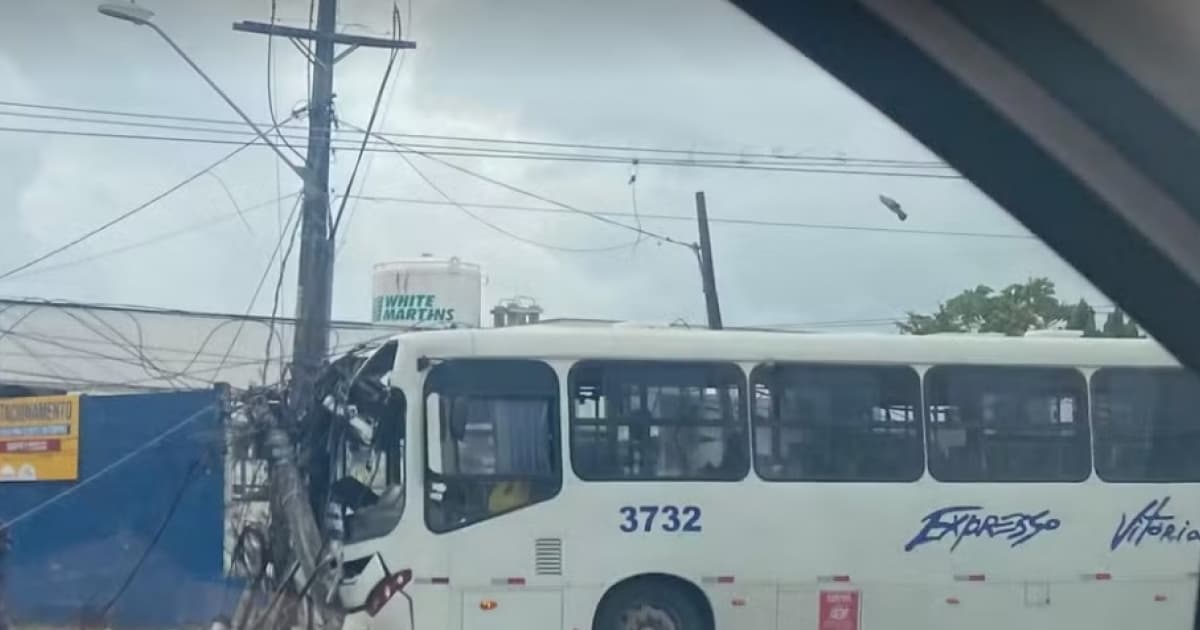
{"points": [[670, 518]]}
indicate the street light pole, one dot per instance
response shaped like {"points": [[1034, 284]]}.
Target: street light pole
{"points": [[142, 16]]}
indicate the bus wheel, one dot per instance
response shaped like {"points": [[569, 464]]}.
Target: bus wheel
{"points": [[650, 605]]}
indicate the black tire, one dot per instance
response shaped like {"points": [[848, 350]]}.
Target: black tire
{"points": [[656, 604]]}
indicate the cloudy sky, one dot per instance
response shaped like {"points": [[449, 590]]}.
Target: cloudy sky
{"points": [[694, 75]]}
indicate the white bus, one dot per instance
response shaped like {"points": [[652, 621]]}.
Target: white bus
{"points": [[575, 478]]}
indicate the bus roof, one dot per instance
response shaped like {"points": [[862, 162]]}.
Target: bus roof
{"points": [[571, 342]]}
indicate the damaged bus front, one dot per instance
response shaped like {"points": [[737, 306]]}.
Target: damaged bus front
{"points": [[354, 443]]}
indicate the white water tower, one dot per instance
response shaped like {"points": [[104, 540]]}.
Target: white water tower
{"points": [[427, 292]]}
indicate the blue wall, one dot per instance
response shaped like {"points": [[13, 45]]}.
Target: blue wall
{"points": [[73, 556]]}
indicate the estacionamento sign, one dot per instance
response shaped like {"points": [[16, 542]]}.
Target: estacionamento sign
{"points": [[39, 438]]}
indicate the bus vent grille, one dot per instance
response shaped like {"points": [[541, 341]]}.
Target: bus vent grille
{"points": [[547, 556]]}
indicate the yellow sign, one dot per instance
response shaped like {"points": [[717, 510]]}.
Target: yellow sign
{"points": [[39, 438]]}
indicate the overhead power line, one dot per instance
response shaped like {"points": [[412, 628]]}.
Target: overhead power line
{"points": [[366, 136], [198, 226], [277, 299], [779, 156], [521, 191], [483, 147], [293, 221], [450, 201], [747, 222], [84, 482], [271, 85], [722, 220], [485, 153], [76, 345], [398, 28], [136, 124], [126, 114], [193, 472], [129, 213], [123, 216]]}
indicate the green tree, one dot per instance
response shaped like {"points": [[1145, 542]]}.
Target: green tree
{"points": [[1014, 310], [1083, 317], [1116, 325]]}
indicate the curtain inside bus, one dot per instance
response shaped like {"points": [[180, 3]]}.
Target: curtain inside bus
{"points": [[493, 434]]}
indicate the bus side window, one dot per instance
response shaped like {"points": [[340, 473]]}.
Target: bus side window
{"points": [[491, 439], [1007, 423], [663, 420], [815, 422], [1147, 425]]}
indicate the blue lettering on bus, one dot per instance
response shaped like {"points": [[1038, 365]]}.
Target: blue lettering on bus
{"points": [[958, 522], [642, 518], [1153, 523]]}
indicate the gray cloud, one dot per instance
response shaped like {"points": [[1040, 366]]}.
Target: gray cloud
{"points": [[675, 73]]}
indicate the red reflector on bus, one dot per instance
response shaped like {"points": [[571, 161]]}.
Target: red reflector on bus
{"points": [[387, 587], [953, 601], [738, 602], [970, 577], [1103, 576], [833, 578], [724, 579], [508, 581]]}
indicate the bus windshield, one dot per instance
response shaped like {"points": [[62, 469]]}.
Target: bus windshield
{"points": [[363, 426]]}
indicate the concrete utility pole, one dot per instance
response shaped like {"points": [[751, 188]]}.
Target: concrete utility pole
{"points": [[315, 296], [288, 500], [704, 253], [315, 281]]}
